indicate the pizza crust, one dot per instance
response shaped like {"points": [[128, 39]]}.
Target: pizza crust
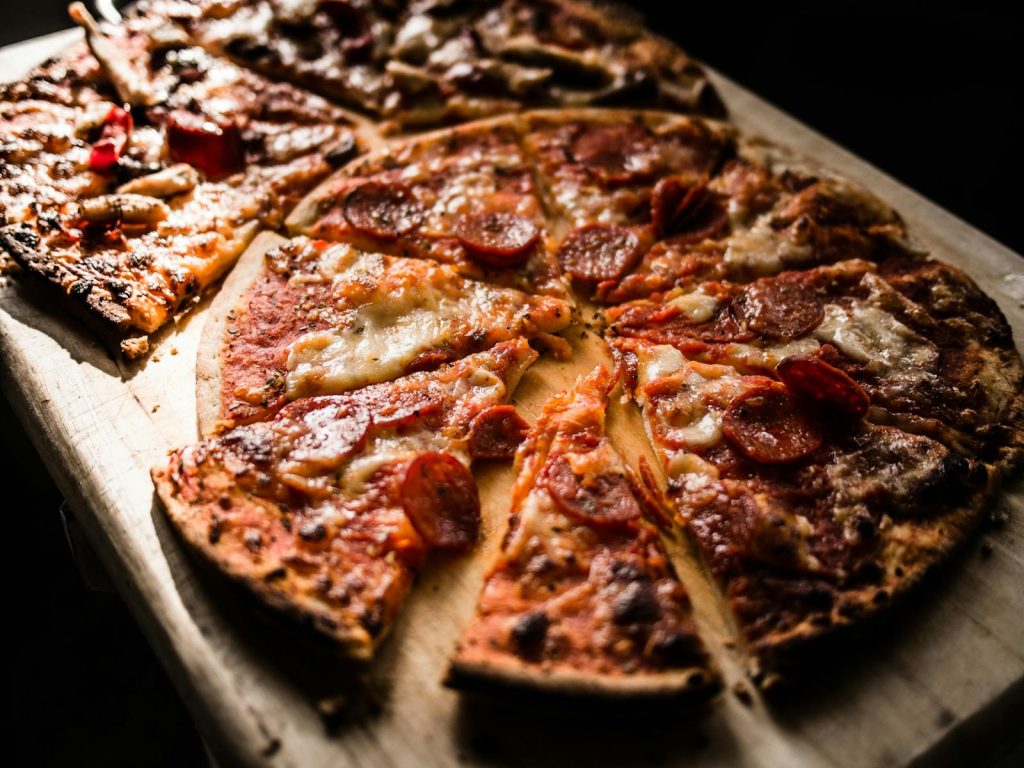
{"points": [[503, 675], [352, 640], [786, 656]]}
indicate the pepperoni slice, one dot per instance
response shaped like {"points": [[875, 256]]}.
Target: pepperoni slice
{"points": [[617, 154], [496, 433], [823, 384], [391, 407], [212, 146], [598, 252], [440, 497], [330, 435], [672, 198], [766, 425], [595, 500], [778, 309], [384, 210], [684, 208], [498, 239]]}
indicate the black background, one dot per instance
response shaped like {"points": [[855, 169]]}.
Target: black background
{"points": [[929, 92]]}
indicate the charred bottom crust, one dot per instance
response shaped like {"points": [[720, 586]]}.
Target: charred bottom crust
{"points": [[693, 684]]}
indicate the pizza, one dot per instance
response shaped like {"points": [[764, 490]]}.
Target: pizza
{"points": [[135, 183], [433, 62], [465, 197], [520, 235], [583, 597], [328, 509], [306, 317], [830, 407]]}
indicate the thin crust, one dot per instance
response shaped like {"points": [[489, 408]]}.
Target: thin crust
{"points": [[501, 676]]}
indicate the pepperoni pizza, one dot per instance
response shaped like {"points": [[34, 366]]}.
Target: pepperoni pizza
{"points": [[828, 407]]}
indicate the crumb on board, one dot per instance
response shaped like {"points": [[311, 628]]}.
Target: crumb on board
{"points": [[742, 692]]}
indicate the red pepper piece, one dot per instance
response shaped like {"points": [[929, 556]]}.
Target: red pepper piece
{"points": [[107, 150]]}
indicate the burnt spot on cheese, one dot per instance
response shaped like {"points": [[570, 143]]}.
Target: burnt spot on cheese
{"points": [[253, 540], [636, 604], [372, 620], [901, 474], [216, 528], [276, 574], [313, 531], [528, 633]]}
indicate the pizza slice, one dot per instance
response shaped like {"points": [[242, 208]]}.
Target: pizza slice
{"points": [[433, 63], [306, 317], [601, 170], [131, 204], [328, 510], [463, 196], [583, 599], [756, 217], [809, 517], [854, 335]]}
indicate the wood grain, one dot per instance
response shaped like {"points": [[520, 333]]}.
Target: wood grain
{"points": [[936, 683]]}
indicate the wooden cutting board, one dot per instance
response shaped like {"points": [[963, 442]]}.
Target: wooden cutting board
{"points": [[941, 682]]}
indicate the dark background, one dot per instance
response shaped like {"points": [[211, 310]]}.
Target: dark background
{"points": [[929, 92]]}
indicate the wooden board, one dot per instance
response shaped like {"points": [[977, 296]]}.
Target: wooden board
{"points": [[941, 683]]}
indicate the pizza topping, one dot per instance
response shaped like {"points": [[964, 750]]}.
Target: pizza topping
{"points": [[823, 384], [122, 209], [766, 425], [874, 337], [778, 309], [617, 154], [684, 209], [604, 499], [440, 497], [132, 85], [599, 252], [212, 146], [496, 433], [499, 239], [392, 313], [168, 182], [329, 435], [117, 127], [384, 210]]}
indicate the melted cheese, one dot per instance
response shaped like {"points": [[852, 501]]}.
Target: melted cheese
{"points": [[693, 416], [542, 529], [660, 360], [761, 250], [870, 335], [766, 358], [378, 340], [698, 307], [387, 449]]}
